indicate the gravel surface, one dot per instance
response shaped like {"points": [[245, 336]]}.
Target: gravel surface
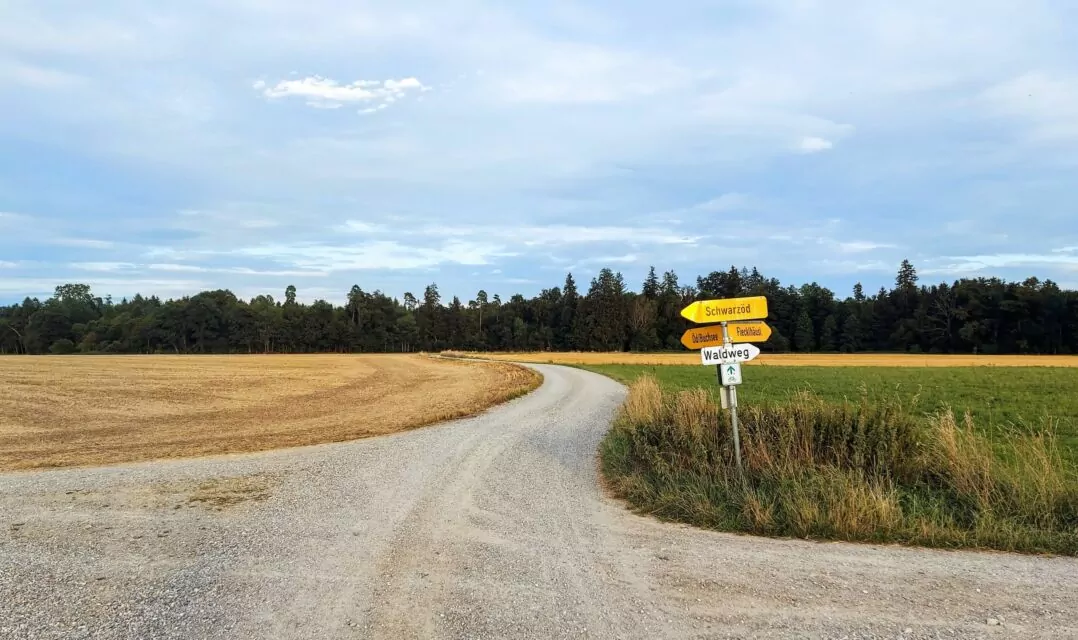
{"points": [[491, 527]]}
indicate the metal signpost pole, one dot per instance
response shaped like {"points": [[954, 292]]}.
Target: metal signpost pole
{"points": [[732, 390], [729, 359]]}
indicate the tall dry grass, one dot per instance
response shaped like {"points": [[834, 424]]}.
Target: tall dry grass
{"points": [[852, 471]]}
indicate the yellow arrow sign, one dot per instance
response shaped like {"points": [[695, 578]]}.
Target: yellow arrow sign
{"points": [[700, 337], [711, 336], [725, 310], [757, 331]]}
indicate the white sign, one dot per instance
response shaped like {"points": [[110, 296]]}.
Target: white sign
{"points": [[731, 373], [724, 355]]}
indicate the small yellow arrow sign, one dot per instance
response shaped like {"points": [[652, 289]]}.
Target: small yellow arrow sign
{"points": [[725, 310], [711, 336], [757, 331], [700, 337]]}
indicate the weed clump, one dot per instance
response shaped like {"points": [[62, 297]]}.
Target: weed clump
{"points": [[857, 470]]}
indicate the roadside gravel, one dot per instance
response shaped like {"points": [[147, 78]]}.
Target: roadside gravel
{"points": [[489, 527]]}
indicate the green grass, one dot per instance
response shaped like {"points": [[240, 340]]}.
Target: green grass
{"points": [[860, 470], [1001, 400]]}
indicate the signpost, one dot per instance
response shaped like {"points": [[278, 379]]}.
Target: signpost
{"points": [[757, 331], [724, 354], [699, 337], [716, 344], [726, 310], [711, 336]]}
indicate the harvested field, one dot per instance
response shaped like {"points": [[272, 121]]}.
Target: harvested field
{"points": [[93, 410], [792, 359]]}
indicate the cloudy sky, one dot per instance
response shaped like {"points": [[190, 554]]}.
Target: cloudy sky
{"points": [[173, 147]]}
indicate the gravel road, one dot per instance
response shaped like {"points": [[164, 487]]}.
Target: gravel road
{"points": [[490, 527]]}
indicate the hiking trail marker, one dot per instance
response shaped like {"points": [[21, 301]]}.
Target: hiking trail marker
{"points": [[716, 344], [730, 374]]}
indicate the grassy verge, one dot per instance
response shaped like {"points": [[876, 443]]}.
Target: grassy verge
{"points": [[1002, 401], [854, 470]]}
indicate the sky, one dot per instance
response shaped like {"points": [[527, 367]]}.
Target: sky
{"points": [[168, 148]]}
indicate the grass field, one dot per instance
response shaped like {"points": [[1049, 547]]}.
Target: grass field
{"points": [[871, 453], [867, 471], [92, 410], [1000, 400], [790, 359], [1003, 393]]}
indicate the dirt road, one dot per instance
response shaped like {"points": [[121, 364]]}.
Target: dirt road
{"points": [[491, 527]]}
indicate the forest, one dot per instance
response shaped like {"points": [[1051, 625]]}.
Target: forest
{"points": [[982, 315]]}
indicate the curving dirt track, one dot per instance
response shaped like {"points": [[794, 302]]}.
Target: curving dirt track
{"points": [[488, 527]]}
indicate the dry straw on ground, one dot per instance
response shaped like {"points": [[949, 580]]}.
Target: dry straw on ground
{"points": [[793, 359], [90, 410]]}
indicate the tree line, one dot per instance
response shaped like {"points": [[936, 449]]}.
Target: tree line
{"points": [[982, 315]]}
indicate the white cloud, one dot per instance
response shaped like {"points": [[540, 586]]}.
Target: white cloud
{"points": [[564, 235], [85, 243], [842, 266], [4, 264], [257, 223], [180, 268], [977, 263], [103, 266], [359, 226], [103, 286], [628, 258], [765, 108], [400, 86], [326, 93], [304, 273], [1073, 249], [237, 215], [860, 246], [388, 254], [813, 144], [190, 268], [725, 202], [566, 72]]}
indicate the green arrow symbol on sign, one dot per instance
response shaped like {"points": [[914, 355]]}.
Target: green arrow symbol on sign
{"points": [[730, 370]]}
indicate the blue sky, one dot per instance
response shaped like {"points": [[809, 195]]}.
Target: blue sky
{"points": [[173, 147]]}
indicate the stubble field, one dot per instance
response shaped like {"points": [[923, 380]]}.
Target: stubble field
{"points": [[92, 410]]}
